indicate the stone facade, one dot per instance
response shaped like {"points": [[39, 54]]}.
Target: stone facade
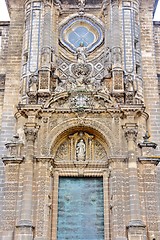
{"points": [[79, 98]]}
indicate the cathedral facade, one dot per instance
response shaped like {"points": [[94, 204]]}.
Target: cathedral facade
{"points": [[80, 120]]}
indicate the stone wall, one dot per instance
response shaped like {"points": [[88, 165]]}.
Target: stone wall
{"points": [[149, 70], [157, 44], [4, 34], [49, 115], [12, 80]]}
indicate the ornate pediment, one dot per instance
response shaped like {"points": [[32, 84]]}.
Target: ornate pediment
{"points": [[81, 100]]}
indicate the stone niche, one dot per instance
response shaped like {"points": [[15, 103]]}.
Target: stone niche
{"points": [[80, 147]]}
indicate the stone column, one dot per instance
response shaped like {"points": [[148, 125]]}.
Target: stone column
{"points": [[116, 50], [107, 45], [46, 51], [25, 225], [132, 52], [117, 198], [30, 55], [136, 227]]}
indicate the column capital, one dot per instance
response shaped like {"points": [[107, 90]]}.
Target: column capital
{"points": [[31, 131], [131, 131]]}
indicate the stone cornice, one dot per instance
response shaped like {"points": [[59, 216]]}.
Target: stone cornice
{"points": [[147, 144], [149, 160], [12, 160], [123, 110]]}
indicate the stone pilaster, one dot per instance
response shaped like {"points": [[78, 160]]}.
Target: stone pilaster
{"points": [[117, 198], [43, 199], [148, 168], [151, 195], [55, 204], [25, 224], [106, 176], [12, 164], [136, 227]]}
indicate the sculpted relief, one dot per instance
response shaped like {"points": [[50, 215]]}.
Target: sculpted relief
{"points": [[80, 147]]}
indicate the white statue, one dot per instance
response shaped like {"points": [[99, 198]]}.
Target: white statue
{"points": [[81, 53], [81, 3], [81, 150]]}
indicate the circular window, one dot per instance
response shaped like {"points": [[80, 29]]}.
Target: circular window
{"points": [[81, 30]]}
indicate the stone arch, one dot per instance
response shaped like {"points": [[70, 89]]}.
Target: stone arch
{"points": [[91, 126]]}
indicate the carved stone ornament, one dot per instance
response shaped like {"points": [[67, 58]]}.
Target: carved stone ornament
{"points": [[81, 101], [14, 147], [32, 89], [30, 133], [131, 132], [82, 74], [147, 147]]}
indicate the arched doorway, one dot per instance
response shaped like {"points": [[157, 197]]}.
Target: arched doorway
{"points": [[80, 186]]}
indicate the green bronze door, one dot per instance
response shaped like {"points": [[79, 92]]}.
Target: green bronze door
{"points": [[80, 209]]}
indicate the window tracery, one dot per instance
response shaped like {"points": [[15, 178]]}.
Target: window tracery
{"points": [[81, 30]]}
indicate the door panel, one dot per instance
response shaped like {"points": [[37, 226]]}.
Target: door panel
{"points": [[80, 209]]}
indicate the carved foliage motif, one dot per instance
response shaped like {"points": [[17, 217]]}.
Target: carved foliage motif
{"points": [[100, 153], [62, 152]]}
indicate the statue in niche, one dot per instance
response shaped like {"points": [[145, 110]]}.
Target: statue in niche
{"points": [[81, 2], [81, 53], [45, 57], [60, 86], [33, 83], [81, 150], [108, 64], [129, 84]]}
